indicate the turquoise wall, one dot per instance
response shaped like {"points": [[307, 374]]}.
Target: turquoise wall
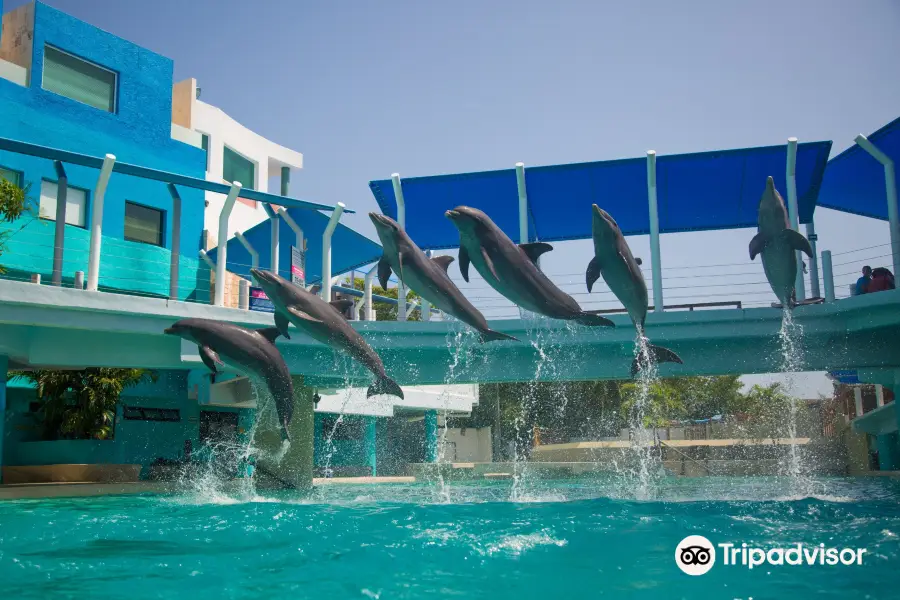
{"points": [[138, 132]]}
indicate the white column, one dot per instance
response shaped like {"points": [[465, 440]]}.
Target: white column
{"points": [[655, 264], [254, 255], [426, 305], [222, 253], [890, 183], [367, 291], [175, 261], [93, 277], [401, 220], [300, 241], [827, 276], [791, 172], [813, 261], [274, 248], [857, 397], [326, 250], [523, 203], [879, 395]]}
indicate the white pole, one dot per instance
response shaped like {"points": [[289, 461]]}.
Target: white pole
{"points": [[401, 220], [222, 254], [791, 172], [274, 248], [210, 262], [813, 261], [523, 203], [426, 305], [827, 276], [367, 293], [79, 280], [879, 395], [655, 265], [244, 295], [93, 278], [254, 255], [857, 397], [298, 236], [175, 258], [890, 183], [326, 250]]}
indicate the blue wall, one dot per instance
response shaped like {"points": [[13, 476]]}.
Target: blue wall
{"points": [[139, 132]]}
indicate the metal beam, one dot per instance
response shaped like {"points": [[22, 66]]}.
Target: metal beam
{"points": [[175, 258]]}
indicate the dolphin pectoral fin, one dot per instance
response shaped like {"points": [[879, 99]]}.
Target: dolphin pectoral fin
{"points": [[464, 263], [534, 250], [443, 261], [796, 241], [342, 306], [281, 322], [757, 244], [299, 314], [210, 358], [384, 385], [489, 263], [658, 354], [593, 273], [384, 272], [270, 333], [593, 319]]}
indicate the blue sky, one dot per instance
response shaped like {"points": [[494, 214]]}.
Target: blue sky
{"points": [[365, 89]]}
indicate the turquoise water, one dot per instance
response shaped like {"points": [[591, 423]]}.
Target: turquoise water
{"points": [[579, 539]]}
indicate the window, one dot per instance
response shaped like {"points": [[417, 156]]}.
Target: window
{"points": [[14, 177], [143, 224], [237, 168], [204, 143], [76, 203], [79, 79], [139, 413]]}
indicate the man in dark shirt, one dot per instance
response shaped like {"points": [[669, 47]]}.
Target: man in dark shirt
{"points": [[862, 284]]}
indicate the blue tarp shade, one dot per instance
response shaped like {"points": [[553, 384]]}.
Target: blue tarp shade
{"points": [[349, 249], [854, 181], [695, 192]]}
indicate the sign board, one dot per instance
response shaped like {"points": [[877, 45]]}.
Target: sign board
{"points": [[298, 266], [259, 301], [848, 376]]}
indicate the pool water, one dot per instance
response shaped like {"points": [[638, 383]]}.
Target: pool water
{"points": [[578, 539]]}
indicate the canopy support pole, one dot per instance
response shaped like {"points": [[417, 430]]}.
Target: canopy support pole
{"points": [[274, 247], [800, 285], [97, 223], [300, 242], [254, 255], [655, 263], [222, 252], [523, 203], [890, 183], [426, 305], [175, 261], [401, 219], [827, 276], [367, 293], [326, 250], [813, 261], [59, 238]]}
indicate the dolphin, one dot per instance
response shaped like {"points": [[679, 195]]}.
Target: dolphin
{"points": [[622, 273], [426, 276], [251, 352], [323, 322], [778, 243], [511, 270]]}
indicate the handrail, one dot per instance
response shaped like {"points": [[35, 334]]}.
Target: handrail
{"points": [[95, 162], [735, 303]]}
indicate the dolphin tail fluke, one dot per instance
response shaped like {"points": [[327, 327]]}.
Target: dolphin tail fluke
{"points": [[658, 354], [592, 318], [384, 385], [490, 335]]}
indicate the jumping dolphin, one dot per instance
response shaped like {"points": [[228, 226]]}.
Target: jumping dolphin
{"points": [[325, 323], [426, 276], [251, 352], [777, 243], [622, 273], [511, 270]]}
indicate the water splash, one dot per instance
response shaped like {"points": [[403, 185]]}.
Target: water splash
{"points": [[344, 365], [791, 345], [640, 436]]}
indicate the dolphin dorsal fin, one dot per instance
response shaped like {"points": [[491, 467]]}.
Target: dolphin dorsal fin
{"points": [[270, 333], [534, 250], [443, 261]]}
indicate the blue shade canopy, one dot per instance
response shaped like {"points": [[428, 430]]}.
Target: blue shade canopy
{"points": [[349, 249], [854, 181], [695, 192]]}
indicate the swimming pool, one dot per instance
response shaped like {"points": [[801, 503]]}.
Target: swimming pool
{"points": [[577, 538]]}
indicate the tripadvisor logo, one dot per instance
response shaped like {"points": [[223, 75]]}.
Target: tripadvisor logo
{"points": [[696, 555]]}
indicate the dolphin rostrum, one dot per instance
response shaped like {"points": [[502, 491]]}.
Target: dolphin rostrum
{"points": [[426, 276], [778, 243], [251, 352], [511, 270], [323, 322], [622, 273]]}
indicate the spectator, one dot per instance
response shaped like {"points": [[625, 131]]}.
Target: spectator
{"points": [[862, 284], [882, 279]]}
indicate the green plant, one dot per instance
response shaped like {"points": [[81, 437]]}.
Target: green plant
{"points": [[81, 404], [13, 203]]}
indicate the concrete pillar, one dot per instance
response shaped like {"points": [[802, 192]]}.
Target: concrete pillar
{"points": [[888, 452], [371, 438], [4, 364], [857, 398], [879, 395], [295, 469], [431, 436]]}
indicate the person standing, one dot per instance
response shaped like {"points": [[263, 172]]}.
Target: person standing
{"points": [[862, 284]]}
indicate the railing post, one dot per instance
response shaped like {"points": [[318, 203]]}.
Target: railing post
{"points": [[401, 220], [93, 277], [222, 253], [655, 262], [890, 184], [326, 250], [244, 294], [59, 238], [827, 276], [791, 172], [79, 280], [254, 255], [813, 261], [367, 293], [174, 264]]}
